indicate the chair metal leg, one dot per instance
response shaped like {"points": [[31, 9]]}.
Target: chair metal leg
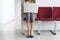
{"points": [[22, 28], [23, 31], [38, 32], [54, 32], [55, 28]]}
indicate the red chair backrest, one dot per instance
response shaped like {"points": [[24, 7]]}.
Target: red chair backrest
{"points": [[56, 12], [44, 12]]}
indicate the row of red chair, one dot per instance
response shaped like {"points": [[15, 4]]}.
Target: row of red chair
{"points": [[48, 13]]}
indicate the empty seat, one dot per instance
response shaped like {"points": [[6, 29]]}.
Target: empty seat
{"points": [[56, 13], [45, 13]]}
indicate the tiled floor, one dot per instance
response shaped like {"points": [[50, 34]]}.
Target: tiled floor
{"points": [[10, 33]]}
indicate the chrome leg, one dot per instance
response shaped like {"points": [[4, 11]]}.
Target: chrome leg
{"points": [[55, 28], [22, 28], [54, 31], [38, 32]]}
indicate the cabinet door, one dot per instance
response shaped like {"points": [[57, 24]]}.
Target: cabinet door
{"points": [[43, 3]]}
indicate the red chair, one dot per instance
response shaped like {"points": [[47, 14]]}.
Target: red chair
{"points": [[56, 13], [44, 14]]}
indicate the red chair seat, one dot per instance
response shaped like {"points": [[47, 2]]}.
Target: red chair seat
{"points": [[46, 19], [58, 19], [56, 13], [44, 13]]}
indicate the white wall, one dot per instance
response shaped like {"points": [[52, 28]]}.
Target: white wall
{"points": [[18, 14], [8, 10], [48, 3], [56, 3], [0, 19], [44, 3], [11, 10], [0, 14]]}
